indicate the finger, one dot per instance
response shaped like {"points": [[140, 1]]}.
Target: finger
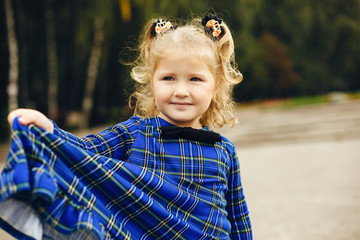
{"points": [[30, 117], [25, 120], [26, 116], [12, 115]]}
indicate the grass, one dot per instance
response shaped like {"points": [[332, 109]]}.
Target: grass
{"points": [[355, 95], [306, 100]]}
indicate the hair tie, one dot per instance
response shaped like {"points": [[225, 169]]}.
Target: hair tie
{"points": [[160, 26], [212, 26]]}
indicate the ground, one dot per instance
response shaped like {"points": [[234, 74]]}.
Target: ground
{"points": [[300, 170]]}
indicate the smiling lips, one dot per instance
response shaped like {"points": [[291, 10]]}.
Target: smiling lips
{"points": [[181, 104]]}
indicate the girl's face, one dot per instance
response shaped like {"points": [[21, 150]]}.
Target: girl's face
{"points": [[183, 90]]}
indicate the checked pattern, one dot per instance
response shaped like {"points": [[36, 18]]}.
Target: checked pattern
{"points": [[127, 182]]}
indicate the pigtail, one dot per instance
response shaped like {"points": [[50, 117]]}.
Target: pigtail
{"points": [[146, 39], [221, 110], [225, 48], [142, 99], [152, 29]]}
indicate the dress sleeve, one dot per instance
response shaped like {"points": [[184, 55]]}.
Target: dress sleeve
{"points": [[113, 142], [238, 213]]}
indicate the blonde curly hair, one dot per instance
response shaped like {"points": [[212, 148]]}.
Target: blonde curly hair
{"points": [[191, 38]]}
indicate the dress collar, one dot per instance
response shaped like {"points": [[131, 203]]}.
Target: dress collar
{"points": [[169, 130]]}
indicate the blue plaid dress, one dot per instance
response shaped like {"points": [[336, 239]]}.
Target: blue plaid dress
{"points": [[126, 182]]}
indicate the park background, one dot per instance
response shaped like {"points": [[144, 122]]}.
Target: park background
{"points": [[298, 134]]}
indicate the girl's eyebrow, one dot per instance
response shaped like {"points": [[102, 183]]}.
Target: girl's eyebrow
{"points": [[200, 75], [166, 73]]}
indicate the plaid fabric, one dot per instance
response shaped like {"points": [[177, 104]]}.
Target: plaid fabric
{"points": [[161, 189]]}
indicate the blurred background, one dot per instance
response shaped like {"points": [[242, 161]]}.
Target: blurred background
{"points": [[298, 136], [62, 57]]}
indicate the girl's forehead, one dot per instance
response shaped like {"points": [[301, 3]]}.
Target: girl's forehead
{"points": [[179, 61], [196, 54]]}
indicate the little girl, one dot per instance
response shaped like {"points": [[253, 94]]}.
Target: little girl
{"points": [[162, 174]]}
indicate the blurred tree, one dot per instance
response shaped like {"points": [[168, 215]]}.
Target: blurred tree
{"points": [[12, 89], [279, 66], [52, 61], [322, 39], [96, 51]]}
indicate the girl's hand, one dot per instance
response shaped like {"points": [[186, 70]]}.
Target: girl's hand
{"points": [[28, 116]]}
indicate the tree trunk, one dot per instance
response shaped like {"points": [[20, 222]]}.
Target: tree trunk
{"points": [[94, 60], [12, 88], [125, 10], [52, 61]]}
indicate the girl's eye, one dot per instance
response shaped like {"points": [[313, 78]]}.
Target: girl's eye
{"points": [[195, 79], [168, 78]]}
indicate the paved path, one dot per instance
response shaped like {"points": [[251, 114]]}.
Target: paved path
{"points": [[300, 170], [303, 191]]}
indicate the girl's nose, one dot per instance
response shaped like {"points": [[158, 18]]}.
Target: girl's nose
{"points": [[181, 90]]}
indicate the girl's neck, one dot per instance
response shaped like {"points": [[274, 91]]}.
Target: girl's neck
{"points": [[193, 124]]}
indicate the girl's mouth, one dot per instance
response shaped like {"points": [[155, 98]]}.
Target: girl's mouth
{"points": [[181, 103]]}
